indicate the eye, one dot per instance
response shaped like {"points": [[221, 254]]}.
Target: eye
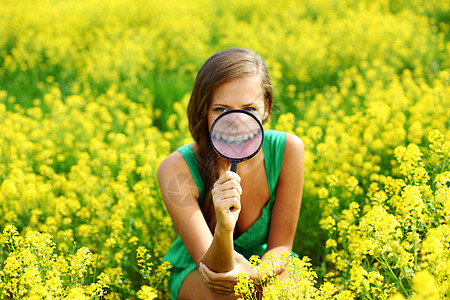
{"points": [[220, 109], [250, 109]]}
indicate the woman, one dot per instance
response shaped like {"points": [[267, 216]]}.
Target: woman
{"points": [[223, 217]]}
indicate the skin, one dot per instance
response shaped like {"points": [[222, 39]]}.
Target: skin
{"points": [[218, 263]]}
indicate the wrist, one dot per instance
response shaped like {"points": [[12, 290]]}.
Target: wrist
{"points": [[222, 230]]}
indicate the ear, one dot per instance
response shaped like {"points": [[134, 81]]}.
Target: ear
{"points": [[265, 115], [267, 106]]}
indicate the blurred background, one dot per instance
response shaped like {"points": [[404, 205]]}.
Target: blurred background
{"points": [[93, 96]]}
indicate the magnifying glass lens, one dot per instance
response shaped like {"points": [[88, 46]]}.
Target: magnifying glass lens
{"points": [[237, 135]]}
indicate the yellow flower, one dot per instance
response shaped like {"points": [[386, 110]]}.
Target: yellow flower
{"points": [[286, 122], [11, 236], [147, 293], [436, 139], [330, 243], [78, 159], [425, 287], [244, 286], [77, 293], [328, 224], [436, 254], [398, 296], [80, 262], [410, 158], [98, 288], [411, 206], [358, 276]]}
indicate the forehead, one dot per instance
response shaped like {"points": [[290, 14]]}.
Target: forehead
{"points": [[238, 91]]}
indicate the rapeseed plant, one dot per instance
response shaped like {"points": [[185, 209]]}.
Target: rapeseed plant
{"points": [[296, 282], [32, 269], [155, 278], [93, 97], [393, 235]]}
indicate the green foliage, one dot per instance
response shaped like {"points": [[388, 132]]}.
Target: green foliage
{"points": [[93, 97]]}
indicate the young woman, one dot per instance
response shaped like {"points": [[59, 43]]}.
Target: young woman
{"points": [[223, 217]]}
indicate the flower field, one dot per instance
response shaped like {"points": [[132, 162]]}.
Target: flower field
{"points": [[93, 96]]}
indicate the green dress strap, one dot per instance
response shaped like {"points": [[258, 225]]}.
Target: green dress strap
{"points": [[191, 159]]}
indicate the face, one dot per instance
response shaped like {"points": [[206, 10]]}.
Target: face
{"points": [[244, 93]]}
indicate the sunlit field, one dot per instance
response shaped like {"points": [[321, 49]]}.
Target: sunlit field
{"points": [[93, 96]]}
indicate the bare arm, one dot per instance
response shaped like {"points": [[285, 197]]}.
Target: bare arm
{"points": [[180, 196], [226, 195], [286, 209]]}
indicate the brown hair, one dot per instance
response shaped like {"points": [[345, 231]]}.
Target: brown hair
{"points": [[219, 68]]}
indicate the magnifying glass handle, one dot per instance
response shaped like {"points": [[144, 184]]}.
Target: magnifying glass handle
{"points": [[233, 169], [233, 166]]}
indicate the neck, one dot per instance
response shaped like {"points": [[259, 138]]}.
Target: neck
{"points": [[224, 164]]}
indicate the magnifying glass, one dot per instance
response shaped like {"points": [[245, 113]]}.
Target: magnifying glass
{"points": [[237, 135]]}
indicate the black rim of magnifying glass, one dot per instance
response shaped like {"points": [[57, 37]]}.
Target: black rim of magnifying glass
{"points": [[244, 112]]}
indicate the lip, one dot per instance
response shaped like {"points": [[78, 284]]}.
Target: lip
{"points": [[237, 149], [235, 139]]}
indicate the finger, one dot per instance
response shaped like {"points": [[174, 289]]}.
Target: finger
{"points": [[233, 175], [227, 175], [231, 203], [223, 292], [226, 194], [229, 185], [212, 277], [222, 198], [235, 206], [209, 277], [218, 288], [206, 280], [225, 278]]}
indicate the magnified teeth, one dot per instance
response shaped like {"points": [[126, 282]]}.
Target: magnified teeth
{"points": [[241, 138], [234, 139]]}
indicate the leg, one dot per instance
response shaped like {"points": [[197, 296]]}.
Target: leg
{"points": [[193, 288]]}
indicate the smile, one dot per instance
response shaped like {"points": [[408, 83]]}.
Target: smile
{"points": [[235, 139]]}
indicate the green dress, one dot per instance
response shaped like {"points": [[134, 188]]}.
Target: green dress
{"points": [[254, 240]]}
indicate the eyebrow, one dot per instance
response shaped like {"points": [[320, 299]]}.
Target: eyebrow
{"points": [[252, 102]]}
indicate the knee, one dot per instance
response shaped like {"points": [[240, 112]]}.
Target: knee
{"points": [[213, 296], [206, 294]]}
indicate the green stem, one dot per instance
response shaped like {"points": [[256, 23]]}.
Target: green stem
{"points": [[386, 265], [95, 269], [414, 239], [367, 293]]}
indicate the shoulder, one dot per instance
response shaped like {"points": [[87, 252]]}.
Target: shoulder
{"points": [[294, 155], [294, 145], [291, 143], [176, 181], [173, 164]]}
